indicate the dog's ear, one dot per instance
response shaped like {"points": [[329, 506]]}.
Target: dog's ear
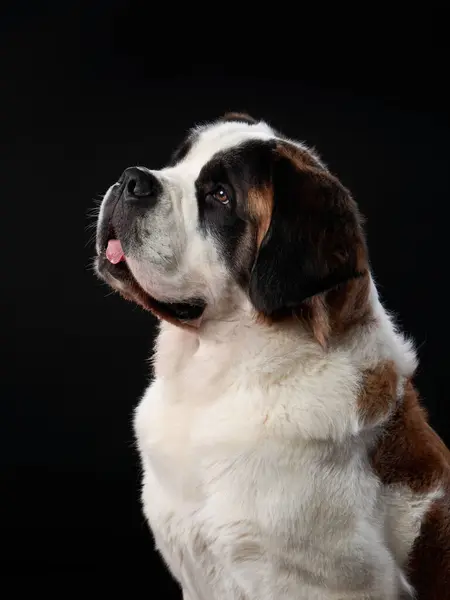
{"points": [[310, 239]]}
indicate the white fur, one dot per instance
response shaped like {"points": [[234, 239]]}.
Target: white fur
{"points": [[256, 482]]}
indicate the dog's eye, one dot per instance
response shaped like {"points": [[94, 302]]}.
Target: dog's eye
{"points": [[221, 195]]}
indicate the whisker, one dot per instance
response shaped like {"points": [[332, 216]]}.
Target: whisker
{"points": [[90, 240], [111, 293], [91, 265], [421, 344]]}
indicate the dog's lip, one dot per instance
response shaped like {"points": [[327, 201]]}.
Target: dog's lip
{"points": [[174, 311], [107, 231]]}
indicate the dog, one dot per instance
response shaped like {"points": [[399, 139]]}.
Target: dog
{"points": [[284, 450]]}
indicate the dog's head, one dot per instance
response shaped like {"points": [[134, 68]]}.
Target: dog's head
{"points": [[241, 214]]}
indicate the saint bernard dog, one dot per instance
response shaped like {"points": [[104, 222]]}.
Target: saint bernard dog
{"points": [[285, 453]]}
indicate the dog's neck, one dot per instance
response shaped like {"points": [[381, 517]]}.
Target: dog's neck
{"points": [[234, 334]]}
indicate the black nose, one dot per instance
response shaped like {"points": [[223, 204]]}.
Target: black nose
{"points": [[139, 184]]}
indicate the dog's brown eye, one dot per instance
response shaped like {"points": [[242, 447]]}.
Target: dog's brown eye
{"points": [[221, 195]]}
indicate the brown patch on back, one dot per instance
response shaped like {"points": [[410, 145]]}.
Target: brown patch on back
{"points": [[378, 393], [428, 567], [410, 453], [260, 206]]}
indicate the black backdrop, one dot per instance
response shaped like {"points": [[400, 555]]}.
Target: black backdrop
{"points": [[91, 88]]}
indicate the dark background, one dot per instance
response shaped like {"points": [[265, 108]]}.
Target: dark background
{"points": [[91, 88]]}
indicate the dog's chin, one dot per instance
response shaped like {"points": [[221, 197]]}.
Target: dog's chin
{"points": [[119, 277]]}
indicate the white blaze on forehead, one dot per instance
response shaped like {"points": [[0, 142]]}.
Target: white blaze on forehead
{"points": [[211, 139]]}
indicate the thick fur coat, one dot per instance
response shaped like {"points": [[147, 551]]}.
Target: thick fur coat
{"points": [[284, 451]]}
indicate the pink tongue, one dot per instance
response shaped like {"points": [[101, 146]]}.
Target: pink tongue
{"points": [[114, 252]]}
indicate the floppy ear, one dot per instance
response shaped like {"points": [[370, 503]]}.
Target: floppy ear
{"points": [[313, 242]]}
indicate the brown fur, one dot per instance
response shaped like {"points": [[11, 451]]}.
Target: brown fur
{"points": [[259, 206], [334, 312], [378, 395], [429, 563], [319, 320], [410, 453], [349, 304]]}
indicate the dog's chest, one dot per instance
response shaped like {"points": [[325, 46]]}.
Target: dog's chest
{"points": [[192, 446], [213, 407], [185, 426]]}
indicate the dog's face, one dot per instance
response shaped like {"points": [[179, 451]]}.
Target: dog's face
{"points": [[239, 213]]}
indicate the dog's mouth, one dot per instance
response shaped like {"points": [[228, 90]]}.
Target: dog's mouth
{"points": [[113, 268]]}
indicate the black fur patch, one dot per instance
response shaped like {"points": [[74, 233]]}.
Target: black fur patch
{"points": [[237, 170], [182, 311]]}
